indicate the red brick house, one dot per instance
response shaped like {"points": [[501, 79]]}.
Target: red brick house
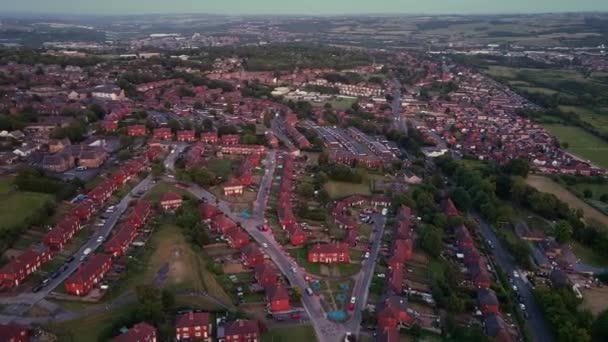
{"points": [[242, 331], [487, 301], [102, 192], [140, 332], [395, 278], [62, 233], [193, 326], [479, 274], [210, 138], [89, 274], [17, 269], [449, 209], [277, 298], [463, 238], [252, 255], [14, 333], [237, 238], [140, 213], [243, 149], [170, 201], [380, 201], [222, 224], [121, 240], [136, 130], [329, 253], [266, 275], [230, 139], [84, 210], [297, 235], [162, 134], [395, 313], [110, 126], [208, 211], [186, 135], [232, 187]]}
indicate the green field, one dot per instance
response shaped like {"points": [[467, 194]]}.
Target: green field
{"points": [[342, 189], [582, 143], [17, 206], [220, 167], [87, 328], [303, 333], [339, 103]]}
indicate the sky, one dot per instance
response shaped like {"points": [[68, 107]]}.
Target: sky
{"points": [[304, 7]]}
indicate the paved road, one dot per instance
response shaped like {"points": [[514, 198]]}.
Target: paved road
{"points": [[326, 330], [361, 288], [538, 325], [399, 120], [92, 244]]}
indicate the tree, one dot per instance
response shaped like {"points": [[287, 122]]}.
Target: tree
{"points": [[600, 327], [604, 198], [587, 193], [306, 190], [461, 198], [431, 240], [518, 167], [157, 169], [563, 231]]}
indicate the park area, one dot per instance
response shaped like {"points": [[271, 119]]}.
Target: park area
{"points": [[17, 206], [300, 333], [545, 184]]}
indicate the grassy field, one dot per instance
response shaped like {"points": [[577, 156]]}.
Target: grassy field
{"points": [[87, 328], [598, 119], [588, 256], [339, 103], [303, 333], [341, 189], [186, 268], [16, 206], [221, 167], [545, 184], [581, 143]]}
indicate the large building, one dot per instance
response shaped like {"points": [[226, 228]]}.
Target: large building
{"points": [[88, 275]]}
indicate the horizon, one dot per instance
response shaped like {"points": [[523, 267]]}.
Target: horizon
{"points": [[312, 8]]}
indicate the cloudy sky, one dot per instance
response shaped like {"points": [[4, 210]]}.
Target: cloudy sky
{"points": [[299, 6]]}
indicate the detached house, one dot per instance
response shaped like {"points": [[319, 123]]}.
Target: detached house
{"points": [[277, 298], [241, 331], [210, 138], [251, 255]]}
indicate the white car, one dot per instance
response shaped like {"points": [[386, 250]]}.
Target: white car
{"points": [[264, 244], [366, 255], [100, 239], [293, 269], [515, 274], [522, 307]]}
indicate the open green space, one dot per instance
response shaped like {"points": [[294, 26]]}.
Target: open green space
{"points": [[303, 333], [582, 143], [342, 189], [220, 167], [588, 256], [545, 184], [301, 257], [87, 328], [338, 103], [17, 206]]}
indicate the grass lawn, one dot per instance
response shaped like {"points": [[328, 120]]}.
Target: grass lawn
{"points": [[341, 189], [17, 206], [582, 144], [186, 268], [301, 257], [303, 333], [588, 256], [87, 328], [220, 167], [545, 184]]}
